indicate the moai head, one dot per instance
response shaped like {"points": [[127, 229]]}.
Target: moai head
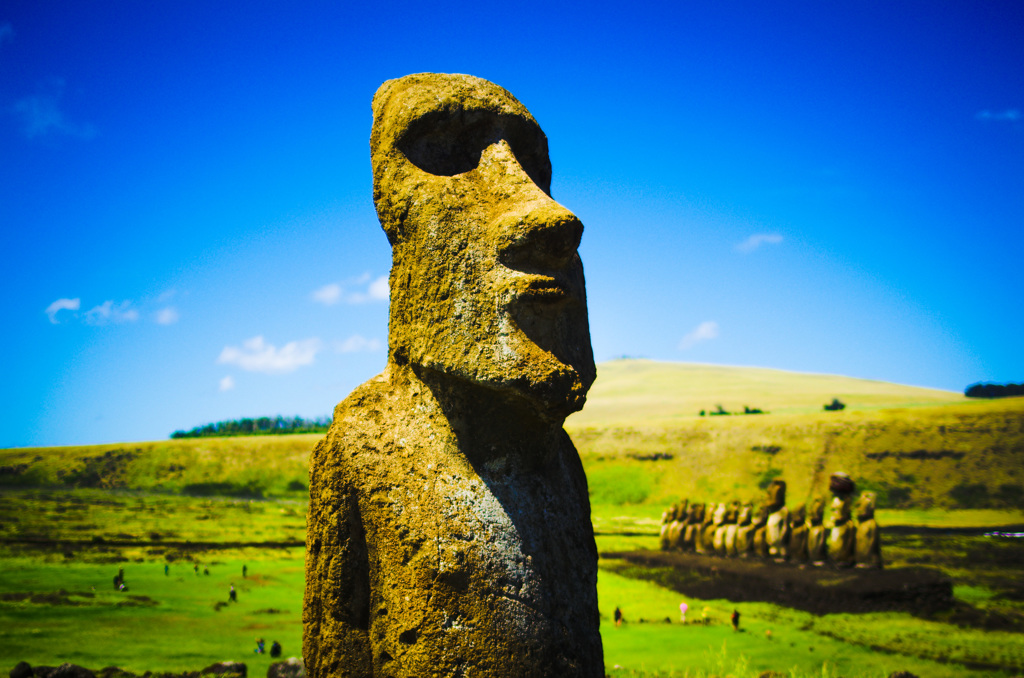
{"points": [[776, 497], [864, 509], [698, 517], [817, 513], [695, 513], [681, 509], [486, 283]]}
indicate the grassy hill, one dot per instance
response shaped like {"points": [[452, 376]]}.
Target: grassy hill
{"points": [[644, 444], [643, 441]]}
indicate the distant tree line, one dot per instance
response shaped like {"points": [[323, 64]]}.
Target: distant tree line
{"points": [[257, 427], [994, 390]]}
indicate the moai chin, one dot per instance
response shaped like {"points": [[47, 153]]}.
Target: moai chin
{"points": [[449, 526]]}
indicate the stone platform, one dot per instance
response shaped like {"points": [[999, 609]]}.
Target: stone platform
{"points": [[819, 590]]}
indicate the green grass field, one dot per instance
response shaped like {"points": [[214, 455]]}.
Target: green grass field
{"points": [[71, 516]]}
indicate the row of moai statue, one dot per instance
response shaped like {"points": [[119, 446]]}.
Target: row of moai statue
{"points": [[849, 538]]}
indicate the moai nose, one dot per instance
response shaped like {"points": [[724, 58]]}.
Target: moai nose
{"points": [[534, 231]]}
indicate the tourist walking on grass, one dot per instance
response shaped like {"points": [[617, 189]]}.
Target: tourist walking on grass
{"points": [[618, 617], [735, 620]]}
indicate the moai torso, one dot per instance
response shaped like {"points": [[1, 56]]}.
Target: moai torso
{"points": [[868, 546], [449, 524], [816, 532], [798, 534]]}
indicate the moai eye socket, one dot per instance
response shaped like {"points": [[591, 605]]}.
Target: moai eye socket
{"points": [[447, 143]]}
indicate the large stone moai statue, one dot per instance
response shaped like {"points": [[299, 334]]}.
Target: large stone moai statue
{"points": [[777, 529], [798, 534], [868, 546], [842, 533], [744, 540], [817, 533], [449, 527], [694, 523]]}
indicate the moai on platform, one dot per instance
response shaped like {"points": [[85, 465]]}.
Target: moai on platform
{"points": [[691, 533], [868, 549], [729, 514], [777, 529], [449, 524], [711, 527], [678, 525], [817, 533], [798, 532], [732, 528], [667, 518], [743, 538], [703, 536], [842, 533], [759, 547]]}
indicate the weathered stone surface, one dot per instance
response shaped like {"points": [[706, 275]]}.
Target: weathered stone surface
{"points": [[691, 533], [841, 535], [229, 668], [289, 668], [798, 534], [449, 526], [868, 545], [777, 528], [816, 532], [65, 670]]}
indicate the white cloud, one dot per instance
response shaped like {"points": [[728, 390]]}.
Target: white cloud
{"points": [[706, 331], [1009, 115], [6, 32], [758, 239], [227, 383], [167, 316], [356, 343], [41, 115], [378, 289], [256, 355], [108, 312], [328, 295], [62, 305], [359, 290]]}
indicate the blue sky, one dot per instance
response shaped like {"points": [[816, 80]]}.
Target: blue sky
{"points": [[189, 234]]}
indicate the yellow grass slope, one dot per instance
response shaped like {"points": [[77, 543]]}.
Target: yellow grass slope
{"points": [[644, 392]]}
